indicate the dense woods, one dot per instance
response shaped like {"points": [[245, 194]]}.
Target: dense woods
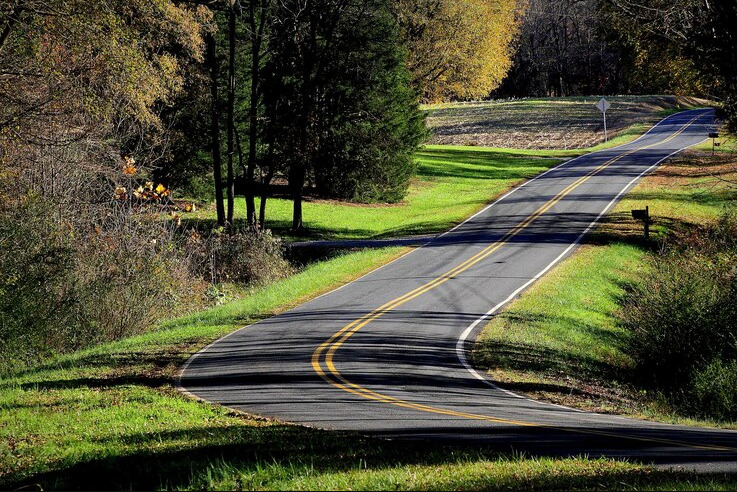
{"points": [[579, 47]]}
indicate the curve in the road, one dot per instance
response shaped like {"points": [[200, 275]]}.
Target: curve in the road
{"points": [[391, 345]]}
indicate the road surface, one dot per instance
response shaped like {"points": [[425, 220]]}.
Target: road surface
{"points": [[386, 355]]}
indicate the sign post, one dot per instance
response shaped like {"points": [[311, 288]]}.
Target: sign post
{"points": [[603, 105]]}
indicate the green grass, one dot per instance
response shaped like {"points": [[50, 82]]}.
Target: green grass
{"points": [[561, 340], [451, 184]]}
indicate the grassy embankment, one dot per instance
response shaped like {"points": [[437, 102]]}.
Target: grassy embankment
{"points": [[561, 341]]}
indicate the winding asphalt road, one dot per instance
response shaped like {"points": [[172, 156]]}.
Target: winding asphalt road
{"points": [[386, 355]]}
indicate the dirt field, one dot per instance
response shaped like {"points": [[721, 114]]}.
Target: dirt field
{"points": [[560, 123]]}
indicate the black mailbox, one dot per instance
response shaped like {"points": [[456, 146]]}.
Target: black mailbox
{"points": [[642, 215], [713, 135]]}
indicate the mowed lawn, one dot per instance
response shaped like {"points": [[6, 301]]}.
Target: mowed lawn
{"points": [[561, 341], [450, 185]]}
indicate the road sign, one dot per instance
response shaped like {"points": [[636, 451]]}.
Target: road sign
{"points": [[603, 105]]}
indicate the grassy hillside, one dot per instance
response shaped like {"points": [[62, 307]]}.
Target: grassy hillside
{"points": [[450, 185]]}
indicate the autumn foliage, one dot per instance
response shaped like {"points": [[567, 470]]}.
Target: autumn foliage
{"points": [[459, 50]]}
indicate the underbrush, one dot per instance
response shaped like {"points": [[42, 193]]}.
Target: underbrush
{"points": [[67, 285], [72, 280], [682, 317]]}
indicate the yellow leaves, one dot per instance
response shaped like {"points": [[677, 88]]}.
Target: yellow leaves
{"points": [[176, 218], [121, 193], [145, 193], [464, 49], [129, 168], [190, 207]]}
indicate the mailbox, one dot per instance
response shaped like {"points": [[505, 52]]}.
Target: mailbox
{"points": [[714, 135], [642, 215]]}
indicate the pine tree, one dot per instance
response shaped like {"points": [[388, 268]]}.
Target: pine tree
{"points": [[337, 95]]}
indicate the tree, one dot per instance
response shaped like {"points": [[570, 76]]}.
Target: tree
{"points": [[369, 119], [564, 49], [458, 49], [701, 32], [217, 165], [338, 98], [259, 15]]}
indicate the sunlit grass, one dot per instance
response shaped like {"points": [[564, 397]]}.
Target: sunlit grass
{"points": [[451, 184]]}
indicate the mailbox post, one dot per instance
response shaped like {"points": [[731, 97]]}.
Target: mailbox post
{"points": [[714, 143], [644, 216]]}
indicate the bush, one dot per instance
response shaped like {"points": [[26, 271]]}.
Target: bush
{"points": [[246, 257], [714, 390], [67, 286], [683, 320]]}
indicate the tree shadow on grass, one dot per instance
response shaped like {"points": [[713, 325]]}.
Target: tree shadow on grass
{"points": [[247, 457]]}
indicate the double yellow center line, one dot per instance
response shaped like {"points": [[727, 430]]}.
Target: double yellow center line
{"points": [[323, 357]]}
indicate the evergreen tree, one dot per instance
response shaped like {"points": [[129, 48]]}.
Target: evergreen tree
{"points": [[370, 120], [337, 100]]}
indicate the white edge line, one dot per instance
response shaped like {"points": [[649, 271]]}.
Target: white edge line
{"points": [[463, 339], [178, 379]]}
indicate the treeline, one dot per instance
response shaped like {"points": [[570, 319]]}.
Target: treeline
{"points": [[583, 47]]}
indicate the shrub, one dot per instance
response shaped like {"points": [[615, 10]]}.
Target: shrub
{"points": [[683, 321], [714, 390], [66, 286], [246, 257]]}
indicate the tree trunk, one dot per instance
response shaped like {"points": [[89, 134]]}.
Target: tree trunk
{"points": [[296, 181], [231, 108], [256, 36], [215, 129], [265, 182], [297, 172]]}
